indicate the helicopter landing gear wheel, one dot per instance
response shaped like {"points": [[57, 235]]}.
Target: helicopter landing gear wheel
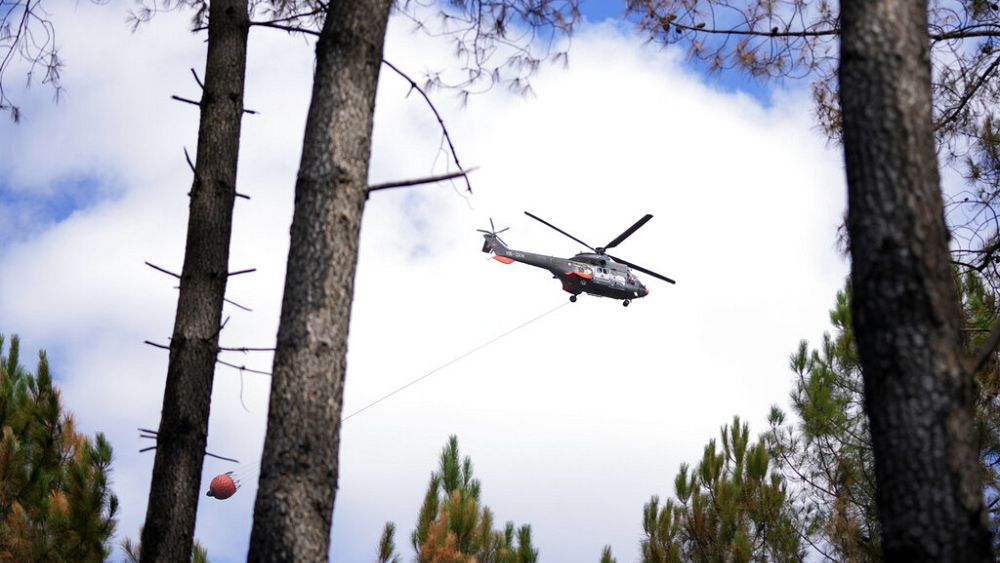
{"points": [[625, 303], [572, 298]]}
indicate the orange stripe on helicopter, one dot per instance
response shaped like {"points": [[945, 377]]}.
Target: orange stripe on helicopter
{"points": [[581, 275], [503, 259]]}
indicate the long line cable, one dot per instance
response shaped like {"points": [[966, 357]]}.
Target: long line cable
{"points": [[452, 361], [246, 472]]}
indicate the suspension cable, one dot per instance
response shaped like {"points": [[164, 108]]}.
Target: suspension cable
{"points": [[453, 360]]}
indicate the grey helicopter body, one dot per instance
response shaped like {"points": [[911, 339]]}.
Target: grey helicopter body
{"points": [[594, 273]]}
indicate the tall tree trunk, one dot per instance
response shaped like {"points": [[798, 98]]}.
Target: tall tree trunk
{"points": [[919, 393], [298, 477], [173, 498]]}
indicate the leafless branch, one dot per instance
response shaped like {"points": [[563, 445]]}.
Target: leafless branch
{"points": [[238, 272], [418, 181], [194, 103], [444, 129], [242, 368], [154, 435], [196, 79], [245, 349], [187, 157], [237, 305], [27, 35], [155, 345], [282, 27], [185, 100], [774, 32], [217, 456], [221, 328], [168, 272]]}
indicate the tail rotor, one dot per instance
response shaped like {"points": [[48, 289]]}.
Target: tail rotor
{"points": [[491, 238], [493, 232]]}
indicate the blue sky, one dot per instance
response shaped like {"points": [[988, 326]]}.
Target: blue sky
{"points": [[746, 198], [613, 11], [40, 206]]}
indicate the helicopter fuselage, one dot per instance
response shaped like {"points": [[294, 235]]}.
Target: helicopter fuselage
{"points": [[592, 273]]}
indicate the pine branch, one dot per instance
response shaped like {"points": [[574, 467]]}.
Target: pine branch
{"points": [[983, 353], [967, 96]]}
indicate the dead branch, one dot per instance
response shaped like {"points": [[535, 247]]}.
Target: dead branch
{"points": [[154, 435], [444, 129], [242, 368], [185, 100], [187, 157], [168, 272], [196, 79], [194, 103], [244, 349], [235, 304], [418, 181], [288, 28]]}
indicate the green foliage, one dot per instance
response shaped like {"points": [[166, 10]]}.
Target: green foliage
{"points": [[606, 556], [828, 453], [979, 312], [795, 39], [730, 508], [387, 545], [133, 551], [55, 500], [453, 527]]}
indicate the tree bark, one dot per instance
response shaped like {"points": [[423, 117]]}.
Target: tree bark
{"points": [[919, 394], [298, 477], [173, 498]]}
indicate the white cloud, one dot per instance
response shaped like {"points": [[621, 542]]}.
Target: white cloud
{"points": [[572, 422]]}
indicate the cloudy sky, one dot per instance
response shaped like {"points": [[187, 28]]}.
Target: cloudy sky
{"points": [[573, 421]]}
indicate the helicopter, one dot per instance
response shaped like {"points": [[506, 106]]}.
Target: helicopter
{"points": [[595, 273]]}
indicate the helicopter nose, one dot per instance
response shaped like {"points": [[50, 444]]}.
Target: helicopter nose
{"points": [[645, 291]]}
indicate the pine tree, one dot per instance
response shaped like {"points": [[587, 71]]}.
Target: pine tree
{"points": [[453, 526], [606, 556], [979, 309], [728, 509], [55, 500], [386, 552], [828, 452]]}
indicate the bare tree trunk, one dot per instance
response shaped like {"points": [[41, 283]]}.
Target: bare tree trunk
{"points": [[173, 498], [298, 478], [919, 393]]}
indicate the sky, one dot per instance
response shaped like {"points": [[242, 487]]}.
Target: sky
{"points": [[573, 421]]}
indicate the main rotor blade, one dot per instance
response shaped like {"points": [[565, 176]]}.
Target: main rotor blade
{"points": [[551, 226], [628, 232], [641, 269]]}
